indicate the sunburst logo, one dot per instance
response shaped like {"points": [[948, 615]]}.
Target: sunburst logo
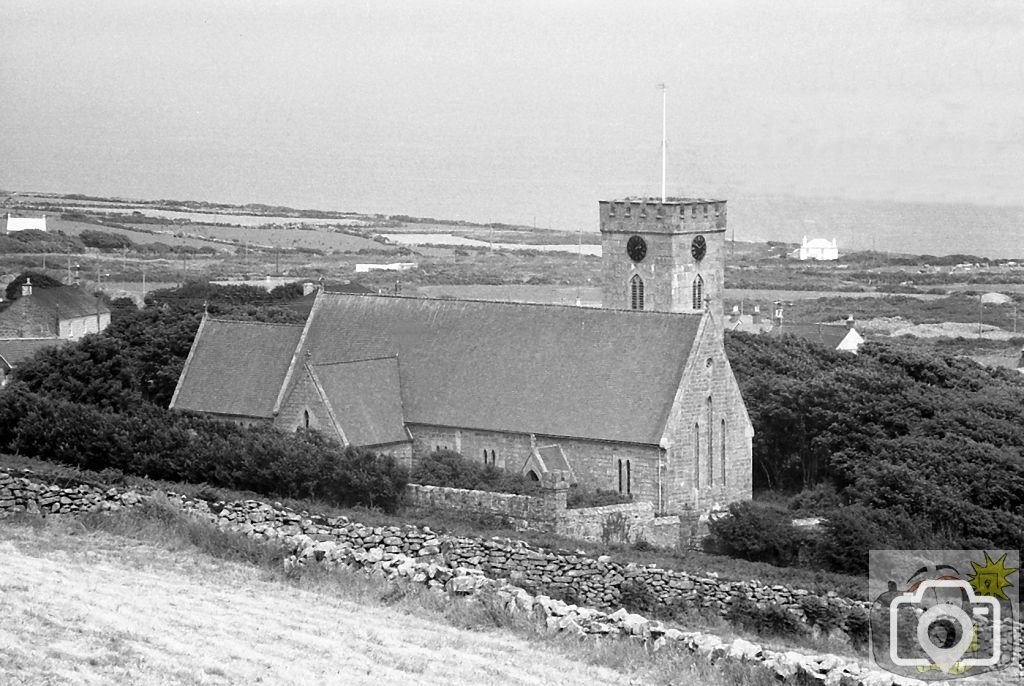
{"points": [[992, 577]]}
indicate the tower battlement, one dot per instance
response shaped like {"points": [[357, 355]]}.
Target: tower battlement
{"points": [[664, 255], [652, 215]]}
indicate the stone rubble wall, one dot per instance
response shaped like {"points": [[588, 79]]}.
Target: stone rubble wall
{"points": [[625, 523], [596, 582], [498, 571], [522, 512]]}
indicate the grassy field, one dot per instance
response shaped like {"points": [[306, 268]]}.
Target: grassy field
{"points": [[147, 597], [268, 238]]}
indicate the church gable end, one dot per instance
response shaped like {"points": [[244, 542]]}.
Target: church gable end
{"points": [[708, 433]]}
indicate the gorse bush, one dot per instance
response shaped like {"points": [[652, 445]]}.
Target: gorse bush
{"points": [[451, 469], [161, 444]]}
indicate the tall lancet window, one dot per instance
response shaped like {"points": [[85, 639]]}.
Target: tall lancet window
{"points": [[636, 293], [698, 293]]}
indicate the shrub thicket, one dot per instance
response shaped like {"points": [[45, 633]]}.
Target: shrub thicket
{"points": [[451, 469], [160, 444], [579, 497], [760, 532]]}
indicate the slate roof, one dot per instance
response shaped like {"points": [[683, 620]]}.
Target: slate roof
{"points": [[69, 302], [236, 368], [365, 399], [830, 335], [14, 351], [545, 369]]}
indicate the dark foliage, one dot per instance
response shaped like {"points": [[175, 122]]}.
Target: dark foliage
{"points": [[449, 468], [578, 497], [893, 447], [104, 240], [768, 620], [139, 357], [761, 532], [160, 444]]}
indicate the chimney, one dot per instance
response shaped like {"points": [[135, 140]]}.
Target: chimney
{"points": [[777, 314], [735, 317], [755, 318], [849, 322], [26, 288]]}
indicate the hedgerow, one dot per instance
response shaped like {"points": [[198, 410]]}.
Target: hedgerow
{"points": [[160, 444]]}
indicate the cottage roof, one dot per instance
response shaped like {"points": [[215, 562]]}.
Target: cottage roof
{"points": [[818, 243], [14, 351], [830, 335], [69, 302], [364, 398], [518, 367], [236, 368]]}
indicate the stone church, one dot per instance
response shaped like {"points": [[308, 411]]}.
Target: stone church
{"points": [[636, 397]]}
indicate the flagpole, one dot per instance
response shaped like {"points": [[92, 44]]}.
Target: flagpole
{"points": [[664, 141]]}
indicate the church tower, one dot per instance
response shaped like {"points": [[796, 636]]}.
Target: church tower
{"points": [[666, 256]]}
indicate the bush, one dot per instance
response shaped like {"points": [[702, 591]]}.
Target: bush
{"points": [[160, 444], [767, 620], [104, 240], [857, 627], [578, 497], [821, 614], [758, 532], [450, 469]]}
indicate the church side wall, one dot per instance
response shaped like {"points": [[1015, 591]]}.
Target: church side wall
{"points": [[595, 463], [511, 450], [695, 477]]}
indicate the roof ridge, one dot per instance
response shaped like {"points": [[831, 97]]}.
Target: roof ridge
{"points": [[393, 356], [559, 306], [253, 321]]}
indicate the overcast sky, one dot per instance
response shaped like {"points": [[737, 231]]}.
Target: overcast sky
{"points": [[512, 110]]}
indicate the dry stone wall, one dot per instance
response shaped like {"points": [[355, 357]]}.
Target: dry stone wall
{"points": [[624, 523], [597, 582], [509, 575]]}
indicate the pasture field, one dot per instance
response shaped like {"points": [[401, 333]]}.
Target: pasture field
{"points": [[124, 599], [269, 238], [74, 228]]}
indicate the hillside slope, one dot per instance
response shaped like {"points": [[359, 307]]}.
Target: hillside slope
{"points": [[89, 608]]}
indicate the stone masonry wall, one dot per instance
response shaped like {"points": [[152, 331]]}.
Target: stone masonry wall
{"points": [[624, 523], [417, 556], [595, 463], [595, 582]]}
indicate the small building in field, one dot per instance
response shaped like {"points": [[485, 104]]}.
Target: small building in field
{"points": [[66, 312], [817, 249], [15, 224]]}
